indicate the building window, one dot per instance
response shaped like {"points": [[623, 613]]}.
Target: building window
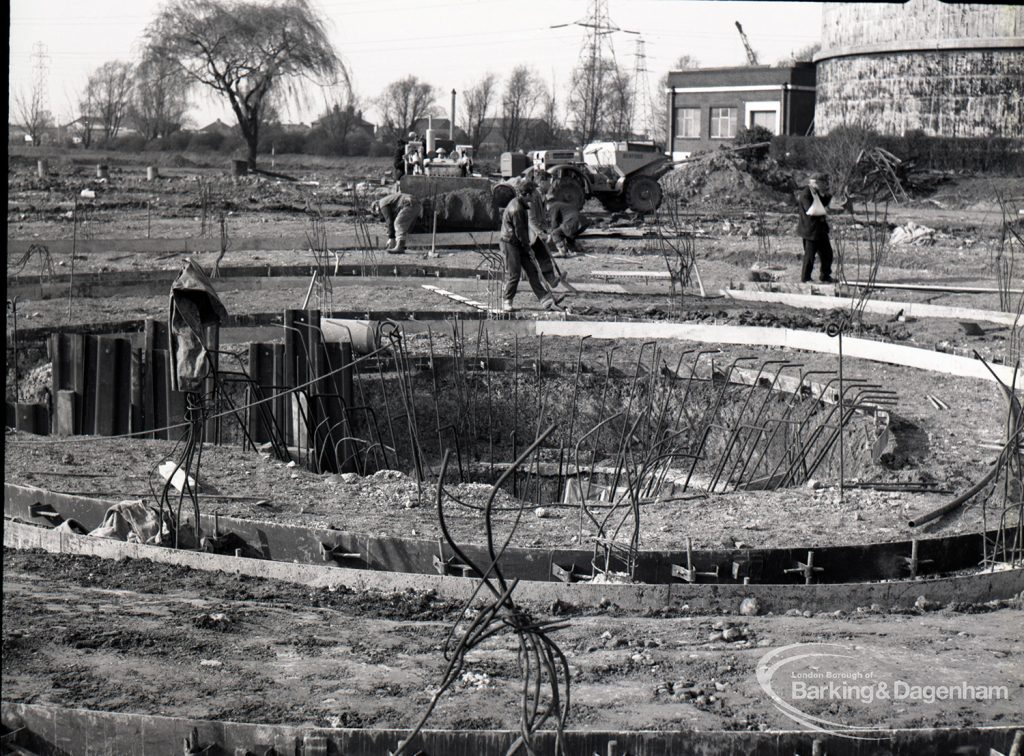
{"points": [[723, 123], [766, 118], [687, 123]]}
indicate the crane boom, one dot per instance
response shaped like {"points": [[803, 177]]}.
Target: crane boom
{"points": [[751, 55]]}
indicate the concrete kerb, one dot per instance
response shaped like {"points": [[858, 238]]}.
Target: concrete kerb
{"points": [[974, 588], [787, 338], [57, 729]]}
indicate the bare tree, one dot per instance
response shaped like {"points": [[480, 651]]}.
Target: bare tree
{"points": [[160, 99], [30, 108], [246, 51], [108, 93], [619, 100], [661, 114], [517, 105], [587, 104], [545, 130], [803, 55], [476, 105], [338, 122], [85, 124], [403, 103]]}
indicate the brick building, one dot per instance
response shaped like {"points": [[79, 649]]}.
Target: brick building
{"points": [[707, 105]]}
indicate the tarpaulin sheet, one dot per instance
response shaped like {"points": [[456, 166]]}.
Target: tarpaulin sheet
{"points": [[194, 305]]}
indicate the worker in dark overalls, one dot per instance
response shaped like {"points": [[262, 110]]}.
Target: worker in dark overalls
{"points": [[515, 243]]}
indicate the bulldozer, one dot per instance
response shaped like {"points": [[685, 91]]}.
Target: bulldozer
{"points": [[619, 175]]}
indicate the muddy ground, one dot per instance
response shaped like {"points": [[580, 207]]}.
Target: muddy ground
{"points": [[139, 637], [149, 638]]}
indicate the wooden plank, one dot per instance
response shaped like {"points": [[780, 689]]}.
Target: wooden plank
{"points": [[123, 382], [159, 379], [334, 407], [77, 346], [60, 374], [175, 403], [257, 429], [631, 274], [105, 388], [135, 414], [973, 588], [148, 419], [66, 413], [88, 391], [290, 340], [212, 336], [26, 419], [317, 409], [280, 404]]}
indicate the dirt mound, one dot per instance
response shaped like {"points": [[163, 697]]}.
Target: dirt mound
{"points": [[466, 210], [728, 178]]}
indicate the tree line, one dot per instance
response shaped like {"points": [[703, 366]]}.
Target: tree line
{"points": [[260, 57]]}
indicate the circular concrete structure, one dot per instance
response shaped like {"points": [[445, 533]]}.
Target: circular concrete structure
{"points": [[946, 69]]}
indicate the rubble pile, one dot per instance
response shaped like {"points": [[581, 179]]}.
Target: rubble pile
{"points": [[465, 210], [728, 177]]}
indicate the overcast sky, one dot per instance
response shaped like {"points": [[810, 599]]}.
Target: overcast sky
{"points": [[449, 43]]}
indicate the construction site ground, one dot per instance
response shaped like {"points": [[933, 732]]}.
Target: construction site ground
{"points": [[149, 638], [138, 636]]}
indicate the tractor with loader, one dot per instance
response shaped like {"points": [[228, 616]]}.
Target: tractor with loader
{"points": [[619, 175]]}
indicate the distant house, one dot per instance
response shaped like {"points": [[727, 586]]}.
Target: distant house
{"points": [[441, 127], [359, 126], [708, 105], [17, 134], [493, 141], [218, 127]]}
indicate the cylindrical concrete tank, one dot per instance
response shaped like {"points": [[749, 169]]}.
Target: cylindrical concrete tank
{"points": [[946, 69]]}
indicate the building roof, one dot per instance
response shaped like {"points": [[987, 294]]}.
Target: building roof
{"points": [[800, 74], [218, 126]]}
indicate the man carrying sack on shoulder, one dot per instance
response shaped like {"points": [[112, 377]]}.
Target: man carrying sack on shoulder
{"points": [[812, 226]]}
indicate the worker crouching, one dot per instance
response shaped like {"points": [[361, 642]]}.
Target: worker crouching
{"points": [[515, 246], [567, 223], [399, 211]]}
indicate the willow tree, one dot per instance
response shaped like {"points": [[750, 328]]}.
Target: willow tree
{"points": [[248, 52]]}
